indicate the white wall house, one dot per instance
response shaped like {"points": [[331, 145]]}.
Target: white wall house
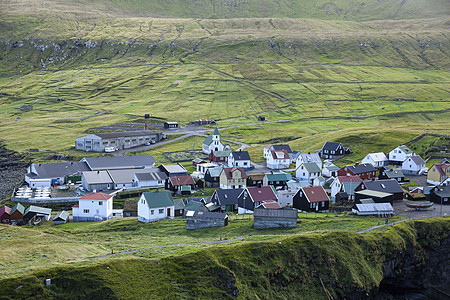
{"points": [[93, 207], [308, 171], [157, 205], [307, 158], [377, 160], [150, 180], [413, 164], [278, 159], [329, 169], [212, 143], [400, 154], [239, 159]]}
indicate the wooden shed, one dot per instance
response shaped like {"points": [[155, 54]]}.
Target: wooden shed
{"points": [[61, 218]]}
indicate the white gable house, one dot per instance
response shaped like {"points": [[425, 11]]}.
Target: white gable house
{"points": [[157, 205], [308, 171], [93, 207], [278, 159], [413, 164], [212, 143], [400, 154], [377, 160], [308, 158]]}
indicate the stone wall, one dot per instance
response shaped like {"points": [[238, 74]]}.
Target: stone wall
{"points": [[270, 218]]}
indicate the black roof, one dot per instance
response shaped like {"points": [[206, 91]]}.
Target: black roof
{"points": [[331, 146], [386, 186], [240, 155], [227, 197], [282, 147], [362, 168], [210, 215]]}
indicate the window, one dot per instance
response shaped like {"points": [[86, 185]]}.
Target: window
{"points": [[86, 211], [113, 142], [152, 212], [105, 143], [161, 211], [133, 140], [100, 203], [245, 163]]}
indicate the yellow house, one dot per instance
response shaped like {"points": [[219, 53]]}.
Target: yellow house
{"points": [[233, 178], [438, 173]]}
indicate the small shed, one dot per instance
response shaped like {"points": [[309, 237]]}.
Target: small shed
{"points": [[37, 213], [179, 207], [17, 213], [170, 125], [274, 218], [261, 118], [205, 219], [5, 214], [61, 218]]}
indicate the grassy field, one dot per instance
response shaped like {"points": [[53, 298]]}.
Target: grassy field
{"points": [[37, 247], [305, 266]]}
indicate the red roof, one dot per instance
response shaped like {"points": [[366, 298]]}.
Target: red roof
{"points": [[260, 194], [441, 168], [76, 205], [267, 147], [271, 205], [96, 196], [353, 178], [181, 180], [5, 209], [315, 193], [280, 154], [229, 172]]}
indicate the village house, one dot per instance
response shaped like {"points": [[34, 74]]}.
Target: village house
{"points": [[308, 171], [440, 194], [277, 180], [311, 199], [274, 218], [5, 214], [154, 178], [347, 184], [201, 169], [233, 178], [194, 205], [278, 159], [333, 150], [99, 163], [281, 147], [252, 197], [386, 186], [212, 176], [388, 173], [308, 158], [93, 207], [171, 125], [329, 169], [182, 185], [438, 173], [17, 212], [377, 160], [239, 159], [398, 155], [226, 199], [200, 219], [99, 142], [413, 165], [179, 207], [97, 180], [255, 179], [269, 205], [219, 157], [212, 143], [197, 161], [157, 205], [364, 171], [285, 197]]}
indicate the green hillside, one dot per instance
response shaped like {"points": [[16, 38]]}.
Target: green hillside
{"points": [[317, 265]]}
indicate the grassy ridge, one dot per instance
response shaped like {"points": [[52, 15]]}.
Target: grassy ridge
{"points": [[301, 266], [216, 9]]}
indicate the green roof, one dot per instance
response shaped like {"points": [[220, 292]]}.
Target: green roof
{"points": [[279, 177], [19, 207], [405, 149], [349, 187], [394, 173], [193, 205], [215, 172], [185, 188], [208, 140], [212, 206], [197, 160], [179, 204], [312, 167], [158, 199], [224, 153], [216, 131]]}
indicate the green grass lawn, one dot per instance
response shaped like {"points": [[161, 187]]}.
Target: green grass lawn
{"points": [[37, 247]]}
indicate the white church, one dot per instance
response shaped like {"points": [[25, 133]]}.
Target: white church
{"points": [[212, 143]]}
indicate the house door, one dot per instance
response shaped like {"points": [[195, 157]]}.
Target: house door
{"points": [[228, 208], [168, 212]]}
